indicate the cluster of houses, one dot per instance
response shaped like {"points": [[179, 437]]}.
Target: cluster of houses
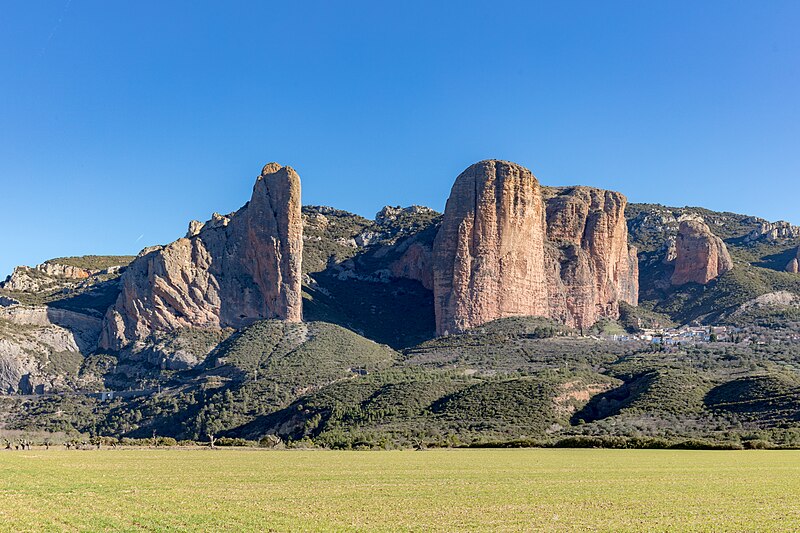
{"points": [[683, 335]]}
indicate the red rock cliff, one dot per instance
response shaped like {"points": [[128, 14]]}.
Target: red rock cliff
{"points": [[228, 273], [503, 250], [592, 267], [700, 255], [488, 256]]}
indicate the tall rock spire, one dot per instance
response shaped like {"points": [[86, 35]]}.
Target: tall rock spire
{"points": [[489, 253], [228, 272]]}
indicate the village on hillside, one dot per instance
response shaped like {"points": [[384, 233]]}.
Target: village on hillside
{"points": [[699, 334]]}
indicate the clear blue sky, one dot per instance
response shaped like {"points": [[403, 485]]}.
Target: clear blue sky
{"points": [[121, 121]]}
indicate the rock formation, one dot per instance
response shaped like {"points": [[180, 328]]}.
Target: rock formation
{"points": [[701, 256], [772, 231], [45, 276], [31, 337], [488, 256], [794, 264], [414, 263], [503, 250], [229, 272], [591, 267]]}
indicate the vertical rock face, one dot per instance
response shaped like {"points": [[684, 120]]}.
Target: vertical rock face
{"points": [[504, 250], [794, 264], [700, 255], [488, 256], [228, 272], [592, 267]]}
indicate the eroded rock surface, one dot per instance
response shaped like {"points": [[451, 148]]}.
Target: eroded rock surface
{"points": [[506, 247], [229, 272], [592, 267], [488, 256], [700, 256], [51, 276]]}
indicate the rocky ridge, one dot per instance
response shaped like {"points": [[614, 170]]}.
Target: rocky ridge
{"points": [[52, 275], [772, 231], [178, 301]]}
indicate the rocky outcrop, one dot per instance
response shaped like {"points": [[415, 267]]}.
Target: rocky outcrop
{"points": [[33, 339], [772, 231], [83, 329], [508, 247], [229, 272], [794, 265], [700, 256], [416, 262], [488, 256], [44, 277], [592, 267], [52, 276]]}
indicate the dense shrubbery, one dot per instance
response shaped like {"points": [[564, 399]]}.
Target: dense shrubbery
{"points": [[513, 382]]}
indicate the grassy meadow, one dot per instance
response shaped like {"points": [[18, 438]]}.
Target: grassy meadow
{"points": [[438, 490]]}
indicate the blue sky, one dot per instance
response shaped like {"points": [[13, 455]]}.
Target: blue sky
{"points": [[121, 121]]}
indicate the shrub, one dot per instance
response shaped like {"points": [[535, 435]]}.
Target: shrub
{"points": [[228, 441], [757, 444], [701, 444], [270, 441]]}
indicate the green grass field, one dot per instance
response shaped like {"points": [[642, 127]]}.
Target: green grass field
{"points": [[443, 490]]}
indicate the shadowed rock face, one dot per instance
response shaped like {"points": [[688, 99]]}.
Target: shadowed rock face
{"points": [[794, 264], [231, 271], [415, 263], [700, 255], [503, 250]]}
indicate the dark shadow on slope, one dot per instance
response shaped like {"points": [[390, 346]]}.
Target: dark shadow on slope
{"points": [[94, 300], [611, 402], [398, 313], [777, 261], [762, 399]]}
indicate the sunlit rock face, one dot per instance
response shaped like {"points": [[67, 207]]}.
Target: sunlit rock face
{"points": [[591, 266], [489, 252], [228, 272], [508, 247], [700, 256]]}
